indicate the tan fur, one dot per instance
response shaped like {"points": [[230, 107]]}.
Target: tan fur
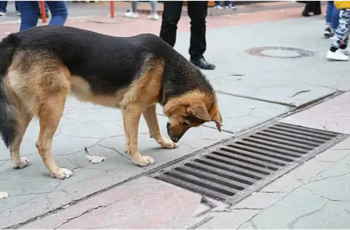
{"points": [[195, 103], [39, 87]]}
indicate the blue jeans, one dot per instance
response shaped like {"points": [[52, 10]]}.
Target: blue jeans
{"points": [[227, 3], [30, 9], [3, 6], [332, 15]]}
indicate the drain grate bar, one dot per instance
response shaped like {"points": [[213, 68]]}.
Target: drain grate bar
{"points": [[246, 160], [250, 155], [233, 170], [286, 142]]}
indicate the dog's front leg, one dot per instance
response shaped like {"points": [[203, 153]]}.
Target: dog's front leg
{"points": [[150, 116], [131, 118]]}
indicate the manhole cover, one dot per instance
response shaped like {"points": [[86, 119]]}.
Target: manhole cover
{"points": [[280, 52], [237, 168]]}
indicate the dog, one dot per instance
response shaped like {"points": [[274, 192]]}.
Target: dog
{"points": [[40, 67]]}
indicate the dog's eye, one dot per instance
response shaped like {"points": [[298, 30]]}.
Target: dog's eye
{"points": [[185, 123]]}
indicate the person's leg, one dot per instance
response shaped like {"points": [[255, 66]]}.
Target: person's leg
{"points": [[312, 7], [335, 18], [170, 18], [197, 10], [154, 7], [329, 13], [3, 6], [59, 12], [29, 14], [218, 5], [133, 12], [134, 6], [340, 37], [154, 11]]}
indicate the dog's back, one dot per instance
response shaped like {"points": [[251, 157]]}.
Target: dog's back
{"points": [[108, 63]]}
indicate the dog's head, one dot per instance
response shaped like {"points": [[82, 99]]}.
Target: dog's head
{"points": [[191, 110]]}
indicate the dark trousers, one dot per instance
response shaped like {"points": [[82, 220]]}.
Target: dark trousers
{"points": [[197, 10], [313, 7]]}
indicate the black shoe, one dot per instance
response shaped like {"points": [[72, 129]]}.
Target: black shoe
{"points": [[305, 14], [203, 64], [327, 32]]}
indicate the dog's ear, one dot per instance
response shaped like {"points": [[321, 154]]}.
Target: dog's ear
{"points": [[216, 116], [200, 111], [218, 121]]}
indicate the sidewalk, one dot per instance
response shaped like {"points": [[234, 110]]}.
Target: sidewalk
{"points": [[252, 89]]}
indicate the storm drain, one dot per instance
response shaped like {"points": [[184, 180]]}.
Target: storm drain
{"points": [[237, 168]]}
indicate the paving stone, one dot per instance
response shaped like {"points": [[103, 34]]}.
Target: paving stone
{"points": [[27, 148], [66, 145], [331, 216], [13, 201], [131, 205], [284, 184], [229, 220], [288, 210], [339, 169], [33, 208], [258, 200], [332, 115]]}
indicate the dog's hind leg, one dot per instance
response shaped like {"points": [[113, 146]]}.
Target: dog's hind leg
{"points": [[150, 116], [131, 118], [49, 116], [23, 120]]}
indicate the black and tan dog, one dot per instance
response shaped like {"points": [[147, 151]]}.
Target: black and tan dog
{"points": [[41, 66]]}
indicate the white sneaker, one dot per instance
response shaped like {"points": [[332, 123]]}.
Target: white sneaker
{"points": [[345, 51], [131, 14], [153, 16], [218, 7], [338, 55], [2, 13]]}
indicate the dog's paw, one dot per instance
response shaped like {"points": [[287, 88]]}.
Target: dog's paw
{"points": [[24, 162], [144, 161], [168, 144], [62, 173]]}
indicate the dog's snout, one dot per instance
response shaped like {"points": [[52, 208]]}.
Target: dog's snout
{"points": [[175, 139], [168, 126]]}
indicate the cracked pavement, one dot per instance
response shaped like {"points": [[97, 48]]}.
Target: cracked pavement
{"points": [[117, 194]]}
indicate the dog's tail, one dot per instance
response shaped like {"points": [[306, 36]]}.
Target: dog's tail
{"points": [[8, 121]]}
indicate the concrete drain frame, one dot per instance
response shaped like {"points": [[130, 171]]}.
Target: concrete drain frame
{"points": [[233, 170]]}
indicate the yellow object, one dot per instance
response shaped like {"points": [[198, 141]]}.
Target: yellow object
{"points": [[341, 5]]}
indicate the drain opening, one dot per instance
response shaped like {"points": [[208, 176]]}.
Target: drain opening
{"points": [[239, 167]]}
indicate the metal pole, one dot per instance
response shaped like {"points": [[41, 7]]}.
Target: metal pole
{"points": [[43, 12]]}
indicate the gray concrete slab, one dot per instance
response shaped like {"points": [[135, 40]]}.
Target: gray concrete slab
{"points": [[142, 203], [331, 115], [294, 81]]}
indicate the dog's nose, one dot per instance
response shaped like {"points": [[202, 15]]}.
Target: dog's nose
{"points": [[168, 126], [175, 139]]}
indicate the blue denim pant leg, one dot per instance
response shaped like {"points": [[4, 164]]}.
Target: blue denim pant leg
{"points": [[29, 14], [59, 12], [3, 6], [335, 18]]}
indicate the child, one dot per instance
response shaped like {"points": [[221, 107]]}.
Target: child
{"points": [[338, 50]]}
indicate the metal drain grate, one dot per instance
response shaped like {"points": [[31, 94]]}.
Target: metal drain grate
{"points": [[237, 168]]}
